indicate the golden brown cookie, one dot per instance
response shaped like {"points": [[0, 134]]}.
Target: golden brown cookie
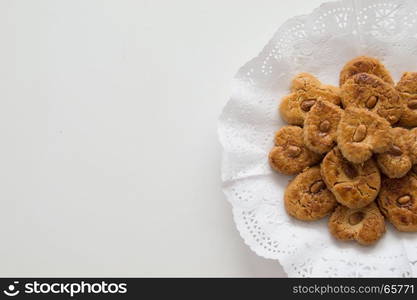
{"points": [[365, 225], [361, 133], [307, 197], [320, 126], [413, 146], [354, 185], [364, 64], [289, 155], [398, 201], [407, 88], [368, 91], [397, 161], [305, 91]]}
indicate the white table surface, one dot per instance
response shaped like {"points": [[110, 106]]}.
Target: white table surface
{"points": [[110, 163]]}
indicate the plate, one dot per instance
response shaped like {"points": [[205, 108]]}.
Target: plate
{"points": [[319, 43]]}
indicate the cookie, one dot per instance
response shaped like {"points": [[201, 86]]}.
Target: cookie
{"points": [[307, 197], [369, 91], [397, 161], [413, 146], [289, 155], [306, 90], [407, 88], [320, 126], [398, 202], [365, 64], [354, 185], [365, 225], [361, 133]]}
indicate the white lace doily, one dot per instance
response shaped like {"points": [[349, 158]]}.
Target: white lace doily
{"points": [[319, 43]]}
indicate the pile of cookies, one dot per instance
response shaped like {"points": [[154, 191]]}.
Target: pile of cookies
{"points": [[353, 150]]}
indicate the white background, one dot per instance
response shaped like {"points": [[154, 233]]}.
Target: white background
{"points": [[110, 163]]}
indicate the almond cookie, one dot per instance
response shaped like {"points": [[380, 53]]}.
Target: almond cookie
{"points": [[361, 133], [305, 91], [407, 88], [368, 91], [365, 64], [398, 202], [413, 146], [396, 162], [307, 197], [354, 185], [289, 155], [365, 225], [320, 126]]}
